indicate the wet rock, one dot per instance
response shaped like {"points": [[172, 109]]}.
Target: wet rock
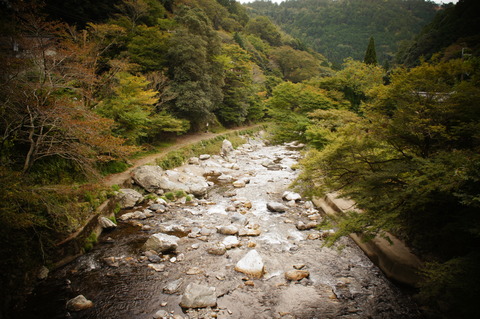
{"points": [[296, 275], [251, 264], [227, 148], [161, 243], [79, 303], [249, 232], [227, 230], [128, 198], [194, 161], [157, 267], [106, 223], [198, 296], [161, 314], [302, 226], [276, 207], [217, 249], [173, 286], [204, 157], [289, 196], [231, 242]]}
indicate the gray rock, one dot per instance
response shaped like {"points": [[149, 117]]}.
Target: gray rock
{"points": [[231, 242], [173, 286], [198, 296], [161, 243], [106, 223], [251, 264], [79, 303], [204, 157], [158, 208], [289, 196], [149, 177], [276, 207], [239, 218], [128, 198], [194, 161], [227, 148], [302, 226]]}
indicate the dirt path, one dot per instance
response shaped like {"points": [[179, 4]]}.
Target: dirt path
{"points": [[120, 178]]}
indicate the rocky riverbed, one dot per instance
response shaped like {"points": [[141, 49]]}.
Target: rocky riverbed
{"points": [[243, 247]]}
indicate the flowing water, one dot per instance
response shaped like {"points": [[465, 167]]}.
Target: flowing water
{"points": [[343, 282]]}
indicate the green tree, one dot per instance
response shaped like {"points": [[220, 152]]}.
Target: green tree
{"points": [[370, 54], [265, 30], [411, 165]]}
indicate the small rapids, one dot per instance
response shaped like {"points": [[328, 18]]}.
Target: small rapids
{"points": [[115, 275]]}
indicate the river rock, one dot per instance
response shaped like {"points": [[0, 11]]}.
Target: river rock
{"points": [[157, 267], [289, 196], [302, 226], [159, 208], [161, 314], [239, 218], [296, 275], [106, 223], [231, 242], [149, 177], [239, 183], [228, 230], [217, 249], [276, 207], [128, 198], [198, 296], [111, 261], [227, 148], [204, 157], [251, 264], [43, 273], [79, 303], [173, 286], [161, 243], [249, 232], [194, 161]]}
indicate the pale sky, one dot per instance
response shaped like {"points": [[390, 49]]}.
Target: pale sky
{"points": [[278, 1]]}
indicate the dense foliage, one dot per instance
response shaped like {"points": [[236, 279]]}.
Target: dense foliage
{"points": [[453, 33], [341, 29]]}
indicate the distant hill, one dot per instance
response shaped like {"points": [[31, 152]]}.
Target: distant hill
{"points": [[453, 30], [340, 29]]}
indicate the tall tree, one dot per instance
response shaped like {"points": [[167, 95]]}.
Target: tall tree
{"points": [[370, 54]]}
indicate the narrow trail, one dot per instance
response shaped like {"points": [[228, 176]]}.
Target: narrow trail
{"points": [[181, 141]]}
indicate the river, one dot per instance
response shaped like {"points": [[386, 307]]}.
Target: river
{"points": [[341, 283]]}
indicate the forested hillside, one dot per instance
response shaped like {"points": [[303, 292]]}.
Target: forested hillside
{"points": [[453, 33], [85, 85], [341, 29]]}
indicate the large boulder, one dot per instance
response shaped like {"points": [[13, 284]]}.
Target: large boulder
{"points": [[128, 198], [251, 264], [227, 148], [198, 296], [149, 177], [154, 178], [161, 243]]}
